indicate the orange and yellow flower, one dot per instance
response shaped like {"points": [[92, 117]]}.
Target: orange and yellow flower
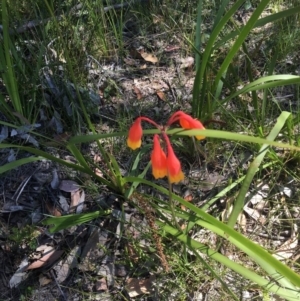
{"points": [[175, 173], [187, 122], [135, 134], [163, 165], [158, 160]]}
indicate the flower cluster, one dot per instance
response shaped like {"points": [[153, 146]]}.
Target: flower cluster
{"points": [[164, 164]]}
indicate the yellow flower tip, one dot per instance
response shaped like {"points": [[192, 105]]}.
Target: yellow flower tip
{"points": [[159, 173], [175, 173], [200, 137], [158, 160], [135, 134], [189, 123], [134, 144], [176, 178]]}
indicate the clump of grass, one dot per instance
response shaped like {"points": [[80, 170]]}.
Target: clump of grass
{"points": [[214, 77]]}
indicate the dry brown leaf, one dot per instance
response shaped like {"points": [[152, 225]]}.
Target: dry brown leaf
{"points": [[187, 197], [98, 172], [170, 48], [187, 62], [107, 270], [289, 247], [130, 62], [44, 280], [63, 268], [68, 186], [255, 214], [138, 92], [148, 57], [261, 206], [55, 179], [20, 275], [101, 285], [52, 209], [97, 159], [64, 205], [161, 95], [136, 287], [50, 256], [75, 198], [158, 84], [81, 202], [242, 221]]}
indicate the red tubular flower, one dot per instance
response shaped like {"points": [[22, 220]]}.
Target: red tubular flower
{"points": [[175, 173], [158, 160], [187, 122], [135, 134]]}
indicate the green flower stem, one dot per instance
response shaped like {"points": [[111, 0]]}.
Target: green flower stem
{"points": [[172, 208]]}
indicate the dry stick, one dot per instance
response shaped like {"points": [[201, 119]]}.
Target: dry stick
{"points": [[58, 286], [35, 23], [21, 187]]}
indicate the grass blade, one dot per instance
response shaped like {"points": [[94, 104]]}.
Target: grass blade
{"points": [[17, 163], [9, 75], [46, 155], [229, 188], [254, 167], [64, 222], [199, 79], [260, 23], [198, 41], [241, 38], [180, 132], [256, 252], [231, 136], [246, 273]]}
